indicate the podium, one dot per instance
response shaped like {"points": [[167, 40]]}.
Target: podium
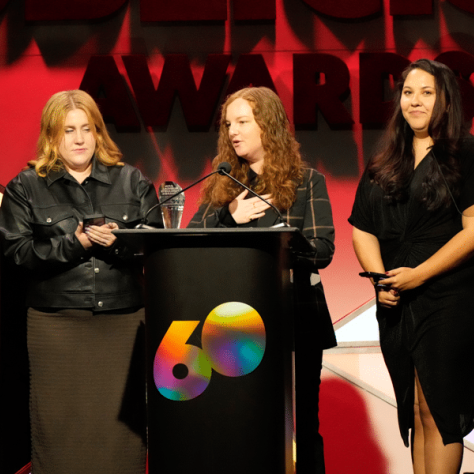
{"points": [[219, 348]]}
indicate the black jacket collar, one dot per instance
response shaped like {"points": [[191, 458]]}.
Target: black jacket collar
{"points": [[99, 172]]}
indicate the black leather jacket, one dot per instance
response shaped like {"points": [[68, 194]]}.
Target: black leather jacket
{"points": [[38, 220]]}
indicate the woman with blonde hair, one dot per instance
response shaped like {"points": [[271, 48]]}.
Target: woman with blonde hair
{"points": [[256, 140], [84, 298]]}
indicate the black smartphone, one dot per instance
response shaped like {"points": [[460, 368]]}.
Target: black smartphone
{"points": [[93, 219], [376, 277]]}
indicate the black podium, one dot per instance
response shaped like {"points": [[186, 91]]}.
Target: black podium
{"points": [[219, 349]]}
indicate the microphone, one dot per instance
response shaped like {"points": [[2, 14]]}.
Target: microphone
{"points": [[224, 170]]}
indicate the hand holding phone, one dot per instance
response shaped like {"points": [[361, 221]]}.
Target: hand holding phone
{"points": [[376, 277], [93, 219]]}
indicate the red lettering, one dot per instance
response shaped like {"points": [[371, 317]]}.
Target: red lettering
{"points": [[103, 81], [176, 78], [346, 8], [53, 10], [208, 10], [3, 4], [183, 10], [250, 70], [216, 10], [463, 66], [311, 93], [410, 7], [375, 70], [252, 10], [466, 5]]}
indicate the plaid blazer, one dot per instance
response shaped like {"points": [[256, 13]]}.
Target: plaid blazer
{"points": [[311, 213]]}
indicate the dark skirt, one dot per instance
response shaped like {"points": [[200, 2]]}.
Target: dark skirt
{"points": [[87, 393]]}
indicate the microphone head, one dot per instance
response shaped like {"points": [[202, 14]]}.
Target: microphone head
{"points": [[224, 167]]}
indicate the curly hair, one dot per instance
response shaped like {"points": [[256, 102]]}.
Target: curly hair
{"points": [[282, 169], [392, 167], [52, 131]]}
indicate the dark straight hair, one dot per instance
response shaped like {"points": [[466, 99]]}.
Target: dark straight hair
{"points": [[393, 164]]}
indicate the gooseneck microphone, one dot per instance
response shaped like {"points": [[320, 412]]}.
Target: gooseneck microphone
{"points": [[225, 171], [223, 168]]}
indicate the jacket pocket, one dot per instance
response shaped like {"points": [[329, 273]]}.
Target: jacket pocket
{"points": [[125, 215], [52, 221]]}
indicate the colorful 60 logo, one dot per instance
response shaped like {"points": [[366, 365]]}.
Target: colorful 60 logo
{"points": [[233, 344]]}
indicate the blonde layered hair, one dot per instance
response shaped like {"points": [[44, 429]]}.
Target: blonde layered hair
{"points": [[283, 167], [52, 131]]}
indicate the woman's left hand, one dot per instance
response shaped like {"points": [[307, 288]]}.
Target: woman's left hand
{"points": [[403, 278], [102, 235]]}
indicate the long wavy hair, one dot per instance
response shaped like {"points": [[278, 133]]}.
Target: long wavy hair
{"points": [[282, 169], [52, 131], [393, 165]]}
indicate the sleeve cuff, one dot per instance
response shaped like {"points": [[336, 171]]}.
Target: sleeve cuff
{"points": [[225, 217]]}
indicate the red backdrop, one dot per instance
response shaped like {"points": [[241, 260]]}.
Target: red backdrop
{"points": [[160, 69]]}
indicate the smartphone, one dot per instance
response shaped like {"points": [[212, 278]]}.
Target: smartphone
{"points": [[376, 277], [93, 219]]}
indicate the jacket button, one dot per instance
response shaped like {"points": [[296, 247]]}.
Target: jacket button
{"points": [[100, 304], [125, 217], [49, 220], [96, 270]]}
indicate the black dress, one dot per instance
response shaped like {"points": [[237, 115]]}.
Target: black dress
{"points": [[432, 329]]}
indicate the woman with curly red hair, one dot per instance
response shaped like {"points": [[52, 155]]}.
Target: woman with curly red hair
{"points": [[255, 138]]}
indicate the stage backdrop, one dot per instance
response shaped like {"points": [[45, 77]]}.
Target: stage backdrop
{"points": [[160, 69]]}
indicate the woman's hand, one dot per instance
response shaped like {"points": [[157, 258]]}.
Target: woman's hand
{"points": [[82, 236], [246, 210], [404, 278], [102, 235], [387, 298]]}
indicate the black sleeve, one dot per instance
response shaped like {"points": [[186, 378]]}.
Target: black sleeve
{"points": [[467, 174], [362, 212], [18, 237], [317, 225], [208, 217]]}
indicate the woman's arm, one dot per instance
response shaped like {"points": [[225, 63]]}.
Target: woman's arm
{"points": [[456, 251], [19, 240], [312, 214], [209, 217], [367, 250]]}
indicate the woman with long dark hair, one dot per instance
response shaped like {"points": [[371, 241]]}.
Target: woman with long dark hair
{"points": [[255, 138], [413, 221]]}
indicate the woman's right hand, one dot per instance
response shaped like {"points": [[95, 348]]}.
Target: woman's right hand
{"points": [[82, 236], [246, 210], [387, 298]]}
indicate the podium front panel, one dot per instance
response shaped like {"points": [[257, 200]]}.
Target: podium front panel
{"points": [[219, 356]]}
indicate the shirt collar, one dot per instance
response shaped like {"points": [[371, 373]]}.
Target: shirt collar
{"points": [[252, 176], [99, 172]]}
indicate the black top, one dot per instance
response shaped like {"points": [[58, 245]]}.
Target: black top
{"points": [[311, 213], [432, 328]]}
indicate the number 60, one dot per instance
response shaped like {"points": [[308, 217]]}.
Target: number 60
{"points": [[233, 344]]}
